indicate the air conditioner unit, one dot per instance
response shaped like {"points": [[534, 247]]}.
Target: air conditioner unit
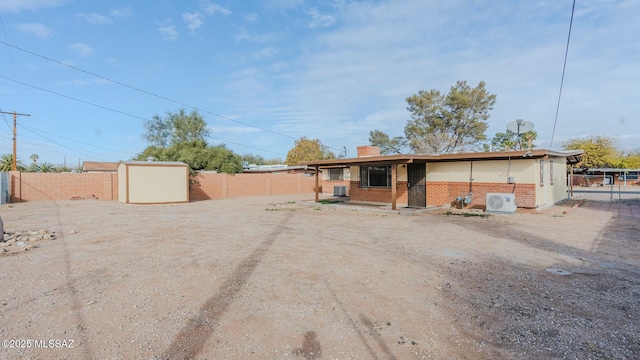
{"points": [[339, 191], [501, 203]]}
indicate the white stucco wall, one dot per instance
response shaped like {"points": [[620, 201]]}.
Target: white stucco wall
{"points": [[491, 171], [122, 182], [153, 183]]}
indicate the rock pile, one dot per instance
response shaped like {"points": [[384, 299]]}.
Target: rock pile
{"points": [[24, 240]]}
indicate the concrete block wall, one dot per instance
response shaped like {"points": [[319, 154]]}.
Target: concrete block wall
{"points": [[104, 186], [63, 186], [205, 186]]}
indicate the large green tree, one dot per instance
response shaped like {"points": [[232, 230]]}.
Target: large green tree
{"points": [[447, 123], [599, 151], [387, 144], [508, 140], [175, 128], [306, 150], [198, 154], [181, 136], [630, 160]]}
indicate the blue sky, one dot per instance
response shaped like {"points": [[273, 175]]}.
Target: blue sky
{"points": [[264, 73]]}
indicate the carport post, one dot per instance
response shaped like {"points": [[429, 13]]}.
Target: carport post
{"points": [[394, 192], [316, 188]]}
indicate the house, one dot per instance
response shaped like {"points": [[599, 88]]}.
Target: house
{"points": [[99, 166], [605, 176], [536, 178], [277, 169]]}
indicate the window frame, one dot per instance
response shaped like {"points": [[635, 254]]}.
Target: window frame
{"points": [[541, 172], [365, 176], [334, 171]]}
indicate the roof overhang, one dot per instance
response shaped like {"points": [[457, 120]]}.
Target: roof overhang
{"points": [[573, 157]]}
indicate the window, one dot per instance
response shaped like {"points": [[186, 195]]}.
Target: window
{"points": [[375, 176], [336, 174], [550, 172], [541, 172]]}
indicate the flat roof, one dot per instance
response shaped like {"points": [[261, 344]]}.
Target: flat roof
{"points": [[99, 166], [158, 163], [573, 156]]}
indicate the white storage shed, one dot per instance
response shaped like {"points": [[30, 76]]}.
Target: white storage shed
{"points": [[153, 182]]}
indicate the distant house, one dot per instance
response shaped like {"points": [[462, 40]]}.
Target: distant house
{"points": [[605, 176], [278, 169], [536, 178], [99, 167]]}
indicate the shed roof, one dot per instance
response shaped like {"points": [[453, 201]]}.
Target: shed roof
{"points": [[154, 163], [573, 157]]}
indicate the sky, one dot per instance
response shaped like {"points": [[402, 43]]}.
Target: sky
{"points": [[265, 73]]}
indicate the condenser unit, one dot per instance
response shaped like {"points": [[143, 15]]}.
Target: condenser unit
{"points": [[501, 203], [339, 191]]}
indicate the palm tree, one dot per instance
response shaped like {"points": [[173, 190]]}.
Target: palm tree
{"points": [[6, 163], [46, 167]]}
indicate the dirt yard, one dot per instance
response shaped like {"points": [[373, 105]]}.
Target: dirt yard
{"points": [[285, 278]]}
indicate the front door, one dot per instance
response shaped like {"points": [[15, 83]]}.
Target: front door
{"points": [[416, 174]]}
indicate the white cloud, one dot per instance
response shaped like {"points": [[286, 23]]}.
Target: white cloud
{"points": [[169, 32], [257, 38], [95, 18], [251, 17], [194, 20], [212, 8], [122, 12], [83, 50], [284, 4], [319, 20], [36, 29], [17, 5]]}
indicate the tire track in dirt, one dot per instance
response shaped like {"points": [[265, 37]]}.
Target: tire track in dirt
{"points": [[189, 342]]}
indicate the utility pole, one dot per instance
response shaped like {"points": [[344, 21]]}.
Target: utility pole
{"points": [[15, 116]]}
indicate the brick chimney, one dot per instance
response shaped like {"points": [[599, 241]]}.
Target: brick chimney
{"points": [[367, 151]]}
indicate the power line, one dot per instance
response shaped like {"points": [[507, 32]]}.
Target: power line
{"points": [[67, 147], [564, 66], [75, 99], [106, 108], [135, 89], [110, 109], [145, 91], [5, 119], [79, 142]]}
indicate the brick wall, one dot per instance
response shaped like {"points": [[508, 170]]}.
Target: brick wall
{"points": [[206, 186], [367, 150], [443, 193], [63, 186], [378, 194]]}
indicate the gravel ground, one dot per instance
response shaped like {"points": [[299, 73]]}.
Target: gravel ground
{"points": [[285, 278]]}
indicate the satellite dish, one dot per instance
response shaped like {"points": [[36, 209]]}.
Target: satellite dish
{"points": [[520, 127]]}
